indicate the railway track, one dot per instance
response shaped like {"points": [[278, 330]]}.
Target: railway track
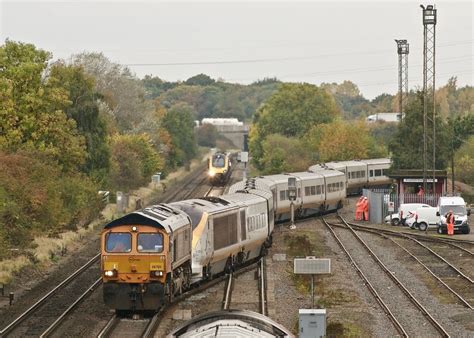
{"points": [[455, 281], [39, 318], [462, 244], [247, 288], [403, 309]]}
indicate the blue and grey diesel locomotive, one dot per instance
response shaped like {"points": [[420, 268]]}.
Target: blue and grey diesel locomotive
{"points": [[152, 255]]}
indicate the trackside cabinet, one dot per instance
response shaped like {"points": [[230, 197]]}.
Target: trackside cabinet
{"points": [[312, 323]]}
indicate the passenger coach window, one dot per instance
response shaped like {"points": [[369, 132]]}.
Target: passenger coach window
{"points": [[118, 242], [371, 173], [282, 195], [307, 191], [150, 242], [378, 172]]}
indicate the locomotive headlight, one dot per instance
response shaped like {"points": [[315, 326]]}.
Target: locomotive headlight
{"points": [[211, 173], [157, 273], [110, 273]]}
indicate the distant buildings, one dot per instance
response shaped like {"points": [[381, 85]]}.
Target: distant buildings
{"points": [[387, 117], [222, 121]]}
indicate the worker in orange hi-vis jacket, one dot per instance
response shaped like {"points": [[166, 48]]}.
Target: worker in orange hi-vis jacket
{"points": [[365, 205], [359, 209], [450, 222]]}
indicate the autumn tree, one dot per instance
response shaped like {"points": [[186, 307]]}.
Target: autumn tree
{"points": [[32, 108], [179, 123], [38, 198], [200, 80], [154, 86], [341, 140], [134, 161], [122, 92], [84, 109], [207, 135], [284, 154], [464, 162], [291, 111]]}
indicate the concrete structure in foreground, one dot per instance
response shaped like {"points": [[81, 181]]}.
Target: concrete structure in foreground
{"points": [[231, 323]]}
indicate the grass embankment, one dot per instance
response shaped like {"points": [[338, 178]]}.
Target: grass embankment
{"points": [[328, 293]]}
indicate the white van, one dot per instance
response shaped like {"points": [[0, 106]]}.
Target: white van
{"points": [[458, 206], [405, 209], [426, 217]]}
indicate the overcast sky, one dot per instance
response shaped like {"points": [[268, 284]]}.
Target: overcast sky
{"points": [[311, 41]]}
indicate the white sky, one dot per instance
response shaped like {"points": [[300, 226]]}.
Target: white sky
{"points": [[310, 41]]}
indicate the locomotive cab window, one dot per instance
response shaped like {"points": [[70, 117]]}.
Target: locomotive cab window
{"points": [[218, 161], [118, 242], [150, 242]]}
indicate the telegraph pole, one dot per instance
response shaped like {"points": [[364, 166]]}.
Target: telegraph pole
{"points": [[429, 36], [402, 50]]}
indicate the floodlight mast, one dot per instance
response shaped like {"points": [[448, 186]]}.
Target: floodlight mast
{"points": [[429, 44], [403, 49]]}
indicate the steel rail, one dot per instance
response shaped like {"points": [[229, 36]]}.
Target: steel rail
{"points": [[460, 273], [421, 237], [399, 283], [442, 258], [58, 321], [43, 299], [109, 327], [262, 287], [228, 293], [152, 324], [367, 283], [373, 231], [436, 239]]}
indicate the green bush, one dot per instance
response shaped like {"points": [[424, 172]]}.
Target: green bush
{"points": [[134, 161], [38, 198]]}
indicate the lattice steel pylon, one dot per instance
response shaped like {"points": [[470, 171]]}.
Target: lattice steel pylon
{"points": [[403, 49], [429, 131]]}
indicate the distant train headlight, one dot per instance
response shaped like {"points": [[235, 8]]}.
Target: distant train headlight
{"points": [[156, 273], [212, 173], [110, 273]]}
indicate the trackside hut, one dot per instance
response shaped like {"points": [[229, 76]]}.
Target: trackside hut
{"points": [[409, 181]]}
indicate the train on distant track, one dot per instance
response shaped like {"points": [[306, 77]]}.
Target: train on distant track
{"points": [[155, 254], [219, 168]]}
